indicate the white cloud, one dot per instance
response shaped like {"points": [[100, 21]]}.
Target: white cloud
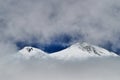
{"points": [[97, 21], [91, 69], [28, 17]]}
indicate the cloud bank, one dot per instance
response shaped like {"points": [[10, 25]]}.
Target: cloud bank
{"points": [[37, 69]]}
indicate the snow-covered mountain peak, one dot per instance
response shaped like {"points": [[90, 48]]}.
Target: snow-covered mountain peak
{"points": [[92, 49], [31, 51], [82, 50], [78, 50], [83, 46]]}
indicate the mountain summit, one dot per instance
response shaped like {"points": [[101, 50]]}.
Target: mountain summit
{"points": [[29, 52], [77, 51], [82, 50]]}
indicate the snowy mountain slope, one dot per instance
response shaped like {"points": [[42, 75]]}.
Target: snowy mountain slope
{"points": [[82, 50], [78, 51], [29, 52]]}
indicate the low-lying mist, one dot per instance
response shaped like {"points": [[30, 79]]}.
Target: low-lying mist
{"points": [[51, 69]]}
